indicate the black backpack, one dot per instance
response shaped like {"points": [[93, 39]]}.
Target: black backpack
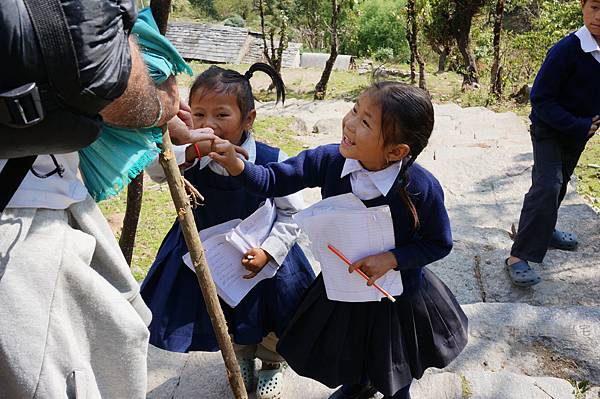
{"points": [[52, 106]]}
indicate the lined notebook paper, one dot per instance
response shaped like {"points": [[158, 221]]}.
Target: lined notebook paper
{"points": [[226, 243], [357, 231]]}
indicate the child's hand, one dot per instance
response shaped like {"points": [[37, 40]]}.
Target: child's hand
{"points": [[595, 125], [375, 266], [225, 153], [254, 260], [205, 146]]}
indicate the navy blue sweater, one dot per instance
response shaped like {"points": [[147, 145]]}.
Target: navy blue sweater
{"points": [[322, 167], [566, 92]]}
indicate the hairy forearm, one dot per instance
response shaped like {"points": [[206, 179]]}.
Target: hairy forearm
{"points": [[139, 105]]}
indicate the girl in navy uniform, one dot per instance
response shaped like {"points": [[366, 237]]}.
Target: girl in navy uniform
{"points": [[222, 100], [372, 346]]}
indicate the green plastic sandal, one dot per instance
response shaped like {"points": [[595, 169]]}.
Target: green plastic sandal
{"points": [[270, 384], [247, 368]]}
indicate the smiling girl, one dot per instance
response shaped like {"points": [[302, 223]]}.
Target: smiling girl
{"points": [[222, 100], [372, 346]]}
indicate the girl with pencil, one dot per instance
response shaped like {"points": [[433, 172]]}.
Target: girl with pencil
{"points": [[372, 346], [221, 99]]}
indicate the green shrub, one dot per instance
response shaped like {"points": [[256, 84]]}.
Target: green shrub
{"points": [[384, 54], [379, 24], [235, 21]]}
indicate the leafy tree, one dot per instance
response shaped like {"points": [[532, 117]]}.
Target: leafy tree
{"points": [[310, 18], [377, 24], [231, 8], [336, 9], [274, 27], [413, 32], [437, 31]]}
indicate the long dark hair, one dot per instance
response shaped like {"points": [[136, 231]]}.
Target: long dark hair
{"points": [[234, 83], [406, 118]]}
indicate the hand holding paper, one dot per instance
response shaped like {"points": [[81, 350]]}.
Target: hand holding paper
{"points": [[254, 260], [375, 266]]}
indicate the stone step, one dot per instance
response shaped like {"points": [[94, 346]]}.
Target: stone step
{"points": [[490, 385], [202, 375]]}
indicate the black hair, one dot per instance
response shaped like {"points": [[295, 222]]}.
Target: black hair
{"points": [[232, 82], [406, 118]]}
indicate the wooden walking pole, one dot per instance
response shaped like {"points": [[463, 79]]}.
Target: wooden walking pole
{"points": [[209, 291], [160, 11]]}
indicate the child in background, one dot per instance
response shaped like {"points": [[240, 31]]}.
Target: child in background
{"points": [[565, 103], [222, 100], [372, 346]]}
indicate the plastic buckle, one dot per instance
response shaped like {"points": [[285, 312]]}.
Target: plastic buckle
{"points": [[21, 107]]}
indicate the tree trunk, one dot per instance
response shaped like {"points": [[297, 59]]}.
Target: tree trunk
{"points": [[496, 72], [135, 192], [321, 87], [414, 50], [463, 21], [275, 57], [207, 285], [442, 60], [409, 16]]}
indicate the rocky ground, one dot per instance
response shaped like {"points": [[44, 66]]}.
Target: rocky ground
{"points": [[524, 343]]}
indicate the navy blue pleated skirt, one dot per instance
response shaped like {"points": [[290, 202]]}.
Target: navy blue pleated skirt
{"points": [[389, 343], [180, 320]]}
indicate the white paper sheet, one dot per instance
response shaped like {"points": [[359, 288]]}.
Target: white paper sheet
{"points": [[224, 246], [357, 232]]}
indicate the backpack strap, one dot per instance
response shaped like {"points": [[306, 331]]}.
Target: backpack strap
{"points": [[58, 52], [12, 175], [56, 45]]}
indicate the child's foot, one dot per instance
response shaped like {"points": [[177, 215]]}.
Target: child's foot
{"points": [[520, 273], [354, 391], [247, 368], [270, 381]]}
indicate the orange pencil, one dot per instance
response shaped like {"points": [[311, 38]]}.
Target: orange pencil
{"points": [[342, 257]]}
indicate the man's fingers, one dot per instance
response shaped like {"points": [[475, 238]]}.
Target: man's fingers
{"points": [[202, 134], [186, 117]]}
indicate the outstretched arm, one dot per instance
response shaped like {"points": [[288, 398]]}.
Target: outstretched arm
{"points": [[276, 179]]}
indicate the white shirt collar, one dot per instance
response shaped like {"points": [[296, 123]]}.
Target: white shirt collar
{"points": [[249, 145], [588, 43], [382, 179]]}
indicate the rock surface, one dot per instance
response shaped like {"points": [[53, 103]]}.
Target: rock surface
{"points": [[524, 343]]}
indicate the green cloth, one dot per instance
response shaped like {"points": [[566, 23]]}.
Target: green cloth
{"points": [[120, 154]]}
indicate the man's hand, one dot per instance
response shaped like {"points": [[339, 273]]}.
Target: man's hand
{"points": [[181, 131], [254, 261], [375, 266], [225, 153], [595, 125]]}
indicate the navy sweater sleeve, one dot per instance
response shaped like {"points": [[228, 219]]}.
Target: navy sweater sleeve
{"points": [[278, 179], [433, 239], [548, 88]]}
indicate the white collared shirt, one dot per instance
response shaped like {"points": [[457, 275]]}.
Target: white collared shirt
{"points": [[367, 184], [54, 192], [588, 42], [284, 232]]}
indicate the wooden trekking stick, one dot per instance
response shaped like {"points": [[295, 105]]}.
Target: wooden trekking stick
{"points": [[160, 11], [209, 291]]}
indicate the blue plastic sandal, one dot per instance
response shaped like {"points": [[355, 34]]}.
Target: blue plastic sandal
{"points": [[270, 383], [522, 274], [247, 367], [563, 240]]}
